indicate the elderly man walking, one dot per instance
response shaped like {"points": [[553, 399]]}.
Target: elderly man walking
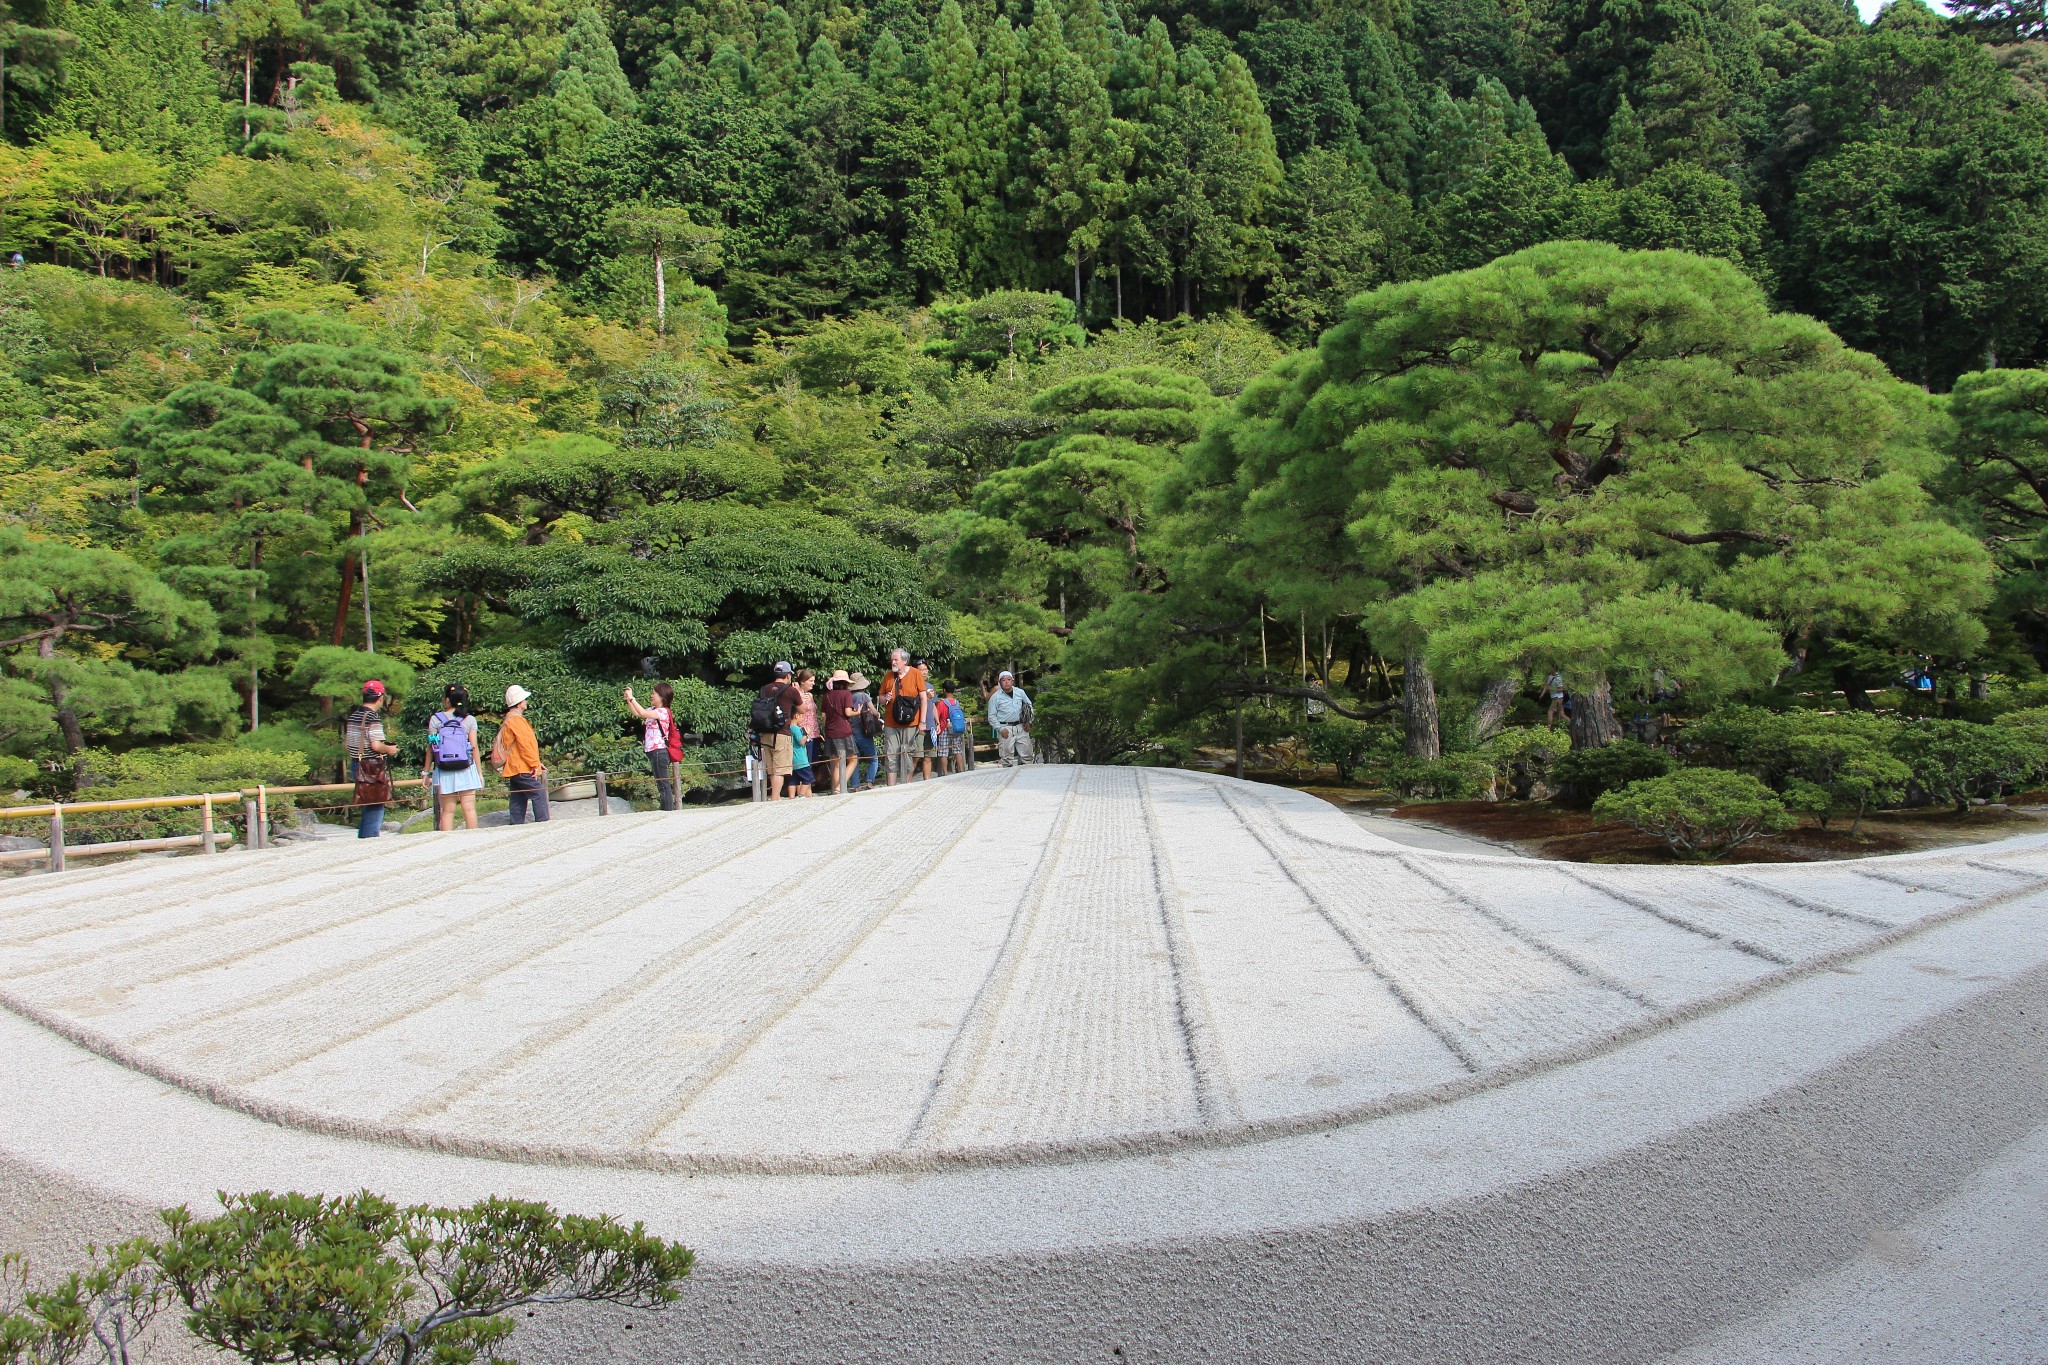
{"points": [[1009, 711]]}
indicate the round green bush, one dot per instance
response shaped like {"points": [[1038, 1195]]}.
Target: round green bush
{"points": [[1698, 810], [1585, 773]]}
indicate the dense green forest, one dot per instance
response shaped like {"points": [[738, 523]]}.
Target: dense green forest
{"points": [[1219, 364]]}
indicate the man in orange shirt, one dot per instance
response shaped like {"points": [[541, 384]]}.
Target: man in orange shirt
{"points": [[903, 714], [518, 755]]}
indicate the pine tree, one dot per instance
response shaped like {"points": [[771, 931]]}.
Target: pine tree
{"points": [[1146, 73], [994, 235], [588, 51], [1088, 36], [1626, 153], [1078, 150], [778, 66], [1685, 107], [959, 171]]}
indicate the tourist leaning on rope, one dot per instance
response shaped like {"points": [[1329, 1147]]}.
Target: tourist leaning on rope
{"points": [[363, 739], [664, 746], [1009, 711], [903, 715], [451, 769], [867, 728], [517, 754]]}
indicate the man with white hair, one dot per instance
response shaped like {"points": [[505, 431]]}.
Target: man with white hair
{"points": [[904, 711], [1009, 711]]}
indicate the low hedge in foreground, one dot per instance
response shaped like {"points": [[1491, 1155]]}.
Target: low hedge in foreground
{"points": [[355, 1279], [1698, 810]]}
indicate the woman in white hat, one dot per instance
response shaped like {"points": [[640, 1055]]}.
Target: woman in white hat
{"points": [[837, 708]]}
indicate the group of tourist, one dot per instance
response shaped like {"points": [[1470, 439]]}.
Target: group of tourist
{"points": [[798, 741], [907, 728]]}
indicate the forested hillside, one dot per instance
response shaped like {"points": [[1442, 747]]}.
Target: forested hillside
{"points": [[573, 343]]}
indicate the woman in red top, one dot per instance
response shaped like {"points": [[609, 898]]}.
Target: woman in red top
{"points": [[841, 751]]}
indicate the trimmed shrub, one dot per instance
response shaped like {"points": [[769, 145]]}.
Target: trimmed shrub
{"points": [[1954, 760], [1698, 810], [1584, 774]]}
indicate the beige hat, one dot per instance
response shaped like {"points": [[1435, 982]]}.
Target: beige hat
{"points": [[516, 694], [838, 676], [859, 681]]}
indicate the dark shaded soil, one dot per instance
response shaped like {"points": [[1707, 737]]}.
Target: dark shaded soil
{"points": [[1542, 829]]}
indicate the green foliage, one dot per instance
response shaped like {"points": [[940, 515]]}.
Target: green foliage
{"points": [[355, 1277], [1955, 760], [1698, 810], [1085, 718], [1587, 774], [1346, 745], [337, 674], [1526, 757]]}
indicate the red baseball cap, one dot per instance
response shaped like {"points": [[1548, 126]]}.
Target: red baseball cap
{"points": [[373, 688]]}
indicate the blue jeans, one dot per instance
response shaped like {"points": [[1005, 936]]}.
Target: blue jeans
{"points": [[865, 747], [372, 823], [525, 790]]}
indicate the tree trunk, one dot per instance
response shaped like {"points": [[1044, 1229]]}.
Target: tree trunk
{"points": [[1240, 738], [1418, 708], [1854, 693], [1593, 723], [660, 295], [1494, 704], [348, 560], [1119, 291], [1077, 287], [248, 72]]}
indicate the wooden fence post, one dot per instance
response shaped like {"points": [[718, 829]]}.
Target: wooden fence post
{"points": [[604, 796], [262, 817], [57, 839], [206, 824], [250, 833]]}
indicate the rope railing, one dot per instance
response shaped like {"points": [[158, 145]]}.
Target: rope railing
{"points": [[250, 806]]}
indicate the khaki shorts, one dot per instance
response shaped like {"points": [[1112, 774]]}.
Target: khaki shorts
{"points": [[775, 755]]}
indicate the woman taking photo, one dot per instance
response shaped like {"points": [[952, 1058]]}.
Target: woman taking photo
{"points": [[451, 770], [363, 738], [658, 724]]}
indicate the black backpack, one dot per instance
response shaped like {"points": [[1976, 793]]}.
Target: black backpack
{"points": [[870, 721], [768, 717]]}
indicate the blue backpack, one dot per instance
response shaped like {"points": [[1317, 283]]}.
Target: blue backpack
{"points": [[956, 719], [452, 751]]}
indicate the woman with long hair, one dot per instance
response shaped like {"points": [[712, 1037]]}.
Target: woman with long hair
{"points": [[363, 738], [658, 724], [452, 770]]}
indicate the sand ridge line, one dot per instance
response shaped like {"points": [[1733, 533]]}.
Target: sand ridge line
{"points": [[1480, 905], [975, 1032], [419, 997], [347, 910], [483, 1073], [399, 866], [1216, 1099], [1088, 1029], [1444, 1030], [878, 875]]}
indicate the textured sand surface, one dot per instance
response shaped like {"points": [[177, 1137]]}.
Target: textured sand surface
{"points": [[1067, 1064], [1009, 965]]}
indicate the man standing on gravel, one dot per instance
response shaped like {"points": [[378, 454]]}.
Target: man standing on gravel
{"points": [[904, 710], [1009, 711]]}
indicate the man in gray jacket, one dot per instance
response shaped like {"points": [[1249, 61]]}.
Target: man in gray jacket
{"points": [[1009, 711]]}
